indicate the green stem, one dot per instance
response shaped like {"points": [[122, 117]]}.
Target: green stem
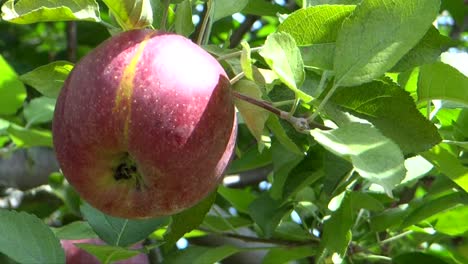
{"points": [[283, 103], [204, 26], [395, 237], [323, 103], [164, 15], [237, 53], [237, 78], [107, 25]]}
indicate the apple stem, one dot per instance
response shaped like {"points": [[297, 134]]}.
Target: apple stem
{"points": [[301, 124]]}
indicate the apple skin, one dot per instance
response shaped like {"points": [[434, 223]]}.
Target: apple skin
{"points": [[76, 255], [145, 125]]}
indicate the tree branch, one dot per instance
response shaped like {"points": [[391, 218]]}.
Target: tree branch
{"points": [[245, 27]]}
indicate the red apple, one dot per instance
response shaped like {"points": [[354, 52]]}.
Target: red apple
{"points": [[145, 125], [76, 255]]}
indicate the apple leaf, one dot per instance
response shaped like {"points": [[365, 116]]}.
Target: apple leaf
{"points": [[201, 255], [39, 110], [12, 90], [317, 24], [426, 51], [284, 58], [246, 61], [26, 239], [448, 164], [131, 14], [433, 206], [240, 199], [264, 8], [187, 220], [120, 231], [224, 8], [183, 24], [225, 223], [319, 55], [251, 159], [452, 222], [337, 229], [108, 254], [32, 11], [377, 35], [254, 116], [26, 137], [288, 254], [274, 125], [283, 162], [267, 213], [75, 230], [375, 157], [442, 81], [392, 110], [48, 79], [418, 257]]}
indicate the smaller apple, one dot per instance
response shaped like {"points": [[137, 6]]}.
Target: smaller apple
{"points": [[76, 255]]}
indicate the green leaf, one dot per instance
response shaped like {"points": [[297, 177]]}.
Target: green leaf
{"points": [[26, 239], [48, 79], [4, 124], [284, 58], [426, 51], [254, 116], [267, 213], [183, 18], [131, 14], [224, 8], [392, 110], [417, 257], [24, 137], [337, 230], [12, 91], [448, 164], [187, 220], [223, 223], [317, 24], [283, 162], [39, 110], [274, 125], [108, 254], [308, 170], [452, 222], [377, 35], [246, 61], [375, 157], [319, 55], [239, 198], [442, 81], [264, 8], [431, 207], [31, 11], [75, 230], [120, 231], [361, 200], [286, 254], [250, 160], [201, 255], [389, 218]]}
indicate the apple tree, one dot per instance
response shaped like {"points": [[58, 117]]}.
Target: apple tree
{"points": [[216, 131]]}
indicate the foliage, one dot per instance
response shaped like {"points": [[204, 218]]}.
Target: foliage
{"points": [[352, 135]]}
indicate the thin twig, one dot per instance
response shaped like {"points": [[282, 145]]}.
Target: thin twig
{"points": [[71, 41], [245, 27]]}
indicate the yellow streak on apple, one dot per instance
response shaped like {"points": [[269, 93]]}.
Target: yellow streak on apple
{"points": [[124, 93]]}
